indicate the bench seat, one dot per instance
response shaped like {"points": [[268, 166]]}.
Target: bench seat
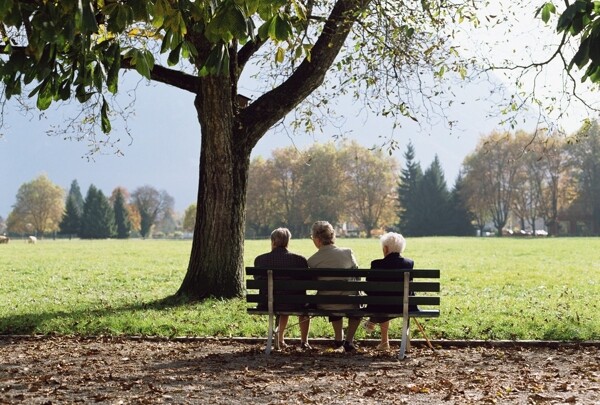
{"points": [[397, 293]]}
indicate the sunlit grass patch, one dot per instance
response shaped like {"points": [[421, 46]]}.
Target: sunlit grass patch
{"points": [[492, 288]]}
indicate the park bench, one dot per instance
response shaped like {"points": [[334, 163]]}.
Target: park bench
{"points": [[280, 291]]}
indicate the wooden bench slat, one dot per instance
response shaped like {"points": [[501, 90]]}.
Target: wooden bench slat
{"points": [[340, 285], [425, 313], [344, 299], [387, 273]]}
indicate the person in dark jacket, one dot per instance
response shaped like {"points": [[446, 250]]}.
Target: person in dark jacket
{"points": [[393, 245], [279, 256]]}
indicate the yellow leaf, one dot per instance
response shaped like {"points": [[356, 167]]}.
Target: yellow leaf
{"points": [[279, 56]]}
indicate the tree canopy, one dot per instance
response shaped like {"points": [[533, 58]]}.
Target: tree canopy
{"points": [[38, 209]]}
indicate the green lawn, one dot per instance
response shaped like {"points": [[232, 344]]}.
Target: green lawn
{"points": [[492, 288]]}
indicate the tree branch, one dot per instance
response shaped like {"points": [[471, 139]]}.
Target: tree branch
{"points": [[272, 106], [168, 76], [249, 49]]}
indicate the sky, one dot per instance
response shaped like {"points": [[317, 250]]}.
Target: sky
{"points": [[165, 147]]}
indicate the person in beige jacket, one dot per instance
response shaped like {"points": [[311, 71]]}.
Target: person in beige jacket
{"points": [[331, 256]]}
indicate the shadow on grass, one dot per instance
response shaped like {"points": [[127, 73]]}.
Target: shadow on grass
{"points": [[30, 323]]}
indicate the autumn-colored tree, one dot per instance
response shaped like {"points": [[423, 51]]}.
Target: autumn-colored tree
{"points": [[322, 185], [189, 218], [39, 207], [555, 174], [134, 217], [152, 206], [584, 153], [529, 182], [289, 206], [490, 172], [370, 178], [261, 210]]}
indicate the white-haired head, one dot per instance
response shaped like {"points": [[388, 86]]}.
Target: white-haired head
{"points": [[393, 241]]}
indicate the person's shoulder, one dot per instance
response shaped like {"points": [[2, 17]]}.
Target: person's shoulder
{"points": [[409, 262], [377, 263], [297, 257], [259, 260], [345, 250]]}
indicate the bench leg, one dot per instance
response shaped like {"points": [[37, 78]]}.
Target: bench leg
{"points": [[405, 344], [270, 335]]}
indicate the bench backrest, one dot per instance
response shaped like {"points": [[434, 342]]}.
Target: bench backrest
{"points": [[382, 287]]}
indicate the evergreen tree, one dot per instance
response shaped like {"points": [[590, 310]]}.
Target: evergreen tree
{"points": [[75, 194], [98, 219], [71, 220], [407, 192], [461, 217], [122, 221], [431, 215]]}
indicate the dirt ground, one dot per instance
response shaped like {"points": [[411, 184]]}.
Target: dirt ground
{"points": [[61, 370]]}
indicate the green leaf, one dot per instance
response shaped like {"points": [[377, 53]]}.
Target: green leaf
{"points": [[45, 95], [300, 9], [105, 122], [236, 22], [283, 29], [81, 94], [35, 90], [143, 61], [546, 10], [263, 30], [112, 77], [64, 91], [582, 56], [88, 22], [98, 76], [174, 55]]}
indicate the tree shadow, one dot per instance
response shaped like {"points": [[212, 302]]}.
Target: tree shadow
{"points": [[28, 323]]}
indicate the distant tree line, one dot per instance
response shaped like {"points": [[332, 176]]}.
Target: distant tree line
{"points": [[355, 187], [519, 180], [347, 185], [41, 209], [510, 182]]}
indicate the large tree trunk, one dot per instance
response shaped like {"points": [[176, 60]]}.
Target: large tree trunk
{"points": [[216, 266]]}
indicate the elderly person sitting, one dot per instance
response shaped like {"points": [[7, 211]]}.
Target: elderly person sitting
{"points": [[331, 256], [280, 256], [393, 245]]}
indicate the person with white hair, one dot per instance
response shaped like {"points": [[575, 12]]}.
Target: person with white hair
{"points": [[393, 245]]}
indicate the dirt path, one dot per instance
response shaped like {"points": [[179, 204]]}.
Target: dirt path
{"points": [[130, 371]]}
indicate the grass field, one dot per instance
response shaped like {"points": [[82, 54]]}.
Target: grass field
{"points": [[492, 288]]}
